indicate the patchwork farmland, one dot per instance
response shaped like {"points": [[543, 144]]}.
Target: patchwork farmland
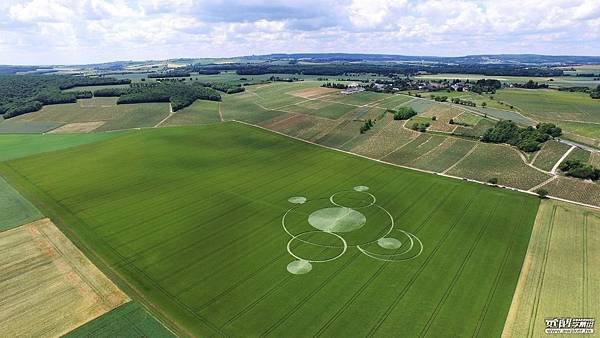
{"points": [[153, 218], [288, 208]]}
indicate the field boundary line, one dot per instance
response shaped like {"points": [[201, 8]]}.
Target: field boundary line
{"points": [[398, 148], [524, 159], [416, 169], [543, 183], [171, 113], [562, 158], [461, 159], [585, 288], [431, 150], [538, 153], [540, 282], [221, 111]]}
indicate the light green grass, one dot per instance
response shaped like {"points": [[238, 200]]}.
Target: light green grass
{"points": [[468, 118], [14, 209], [200, 112], [579, 154], [591, 130], [552, 105], [190, 218], [14, 126], [128, 320], [100, 109], [19, 145]]}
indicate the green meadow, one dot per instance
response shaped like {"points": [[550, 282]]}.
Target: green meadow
{"points": [[188, 221]]}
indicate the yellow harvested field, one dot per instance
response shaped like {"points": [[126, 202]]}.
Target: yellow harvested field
{"points": [[561, 273], [80, 127], [310, 93], [48, 287]]}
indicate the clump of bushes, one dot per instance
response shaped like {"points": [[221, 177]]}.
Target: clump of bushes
{"points": [[421, 127], [527, 139], [403, 113], [367, 126], [578, 169]]}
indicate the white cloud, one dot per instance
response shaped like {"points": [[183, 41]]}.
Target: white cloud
{"points": [[78, 31]]}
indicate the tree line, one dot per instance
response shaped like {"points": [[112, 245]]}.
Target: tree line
{"points": [[383, 69], [21, 94], [178, 94]]}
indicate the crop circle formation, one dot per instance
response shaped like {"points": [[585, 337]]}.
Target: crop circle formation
{"points": [[348, 213]]}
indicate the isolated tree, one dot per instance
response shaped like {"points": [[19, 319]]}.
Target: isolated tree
{"points": [[542, 193], [493, 180], [484, 104]]}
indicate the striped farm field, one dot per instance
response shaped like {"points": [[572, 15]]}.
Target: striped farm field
{"points": [[128, 320], [447, 154], [420, 146], [222, 230], [48, 287], [498, 161], [561, 272], [550, 153]]}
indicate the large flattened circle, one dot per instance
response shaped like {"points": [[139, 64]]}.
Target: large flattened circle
{"points": [[337, 219]]}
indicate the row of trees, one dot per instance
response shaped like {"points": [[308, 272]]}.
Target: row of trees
{"points": [[527, 139], [334, 85], [486, 86], [170, 73], [530, 85], [225, 87], [456, 100], [384, 69], [180, 95]]}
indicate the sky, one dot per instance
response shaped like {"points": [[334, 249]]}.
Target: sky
{"points": [[38, 32]]}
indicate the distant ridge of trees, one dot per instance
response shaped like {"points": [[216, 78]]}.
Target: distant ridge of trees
{"points": [[337, 69]]}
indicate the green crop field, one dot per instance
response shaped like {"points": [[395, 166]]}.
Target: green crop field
{"points": [[99, 109], [128, 320], [18, 145], [15, 210], [189, 221], [558, 81], [552, 105], [200, 112], [561, 273], [591, 130]]}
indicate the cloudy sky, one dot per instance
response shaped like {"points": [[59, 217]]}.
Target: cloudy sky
{"points": [[86, 31]]}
